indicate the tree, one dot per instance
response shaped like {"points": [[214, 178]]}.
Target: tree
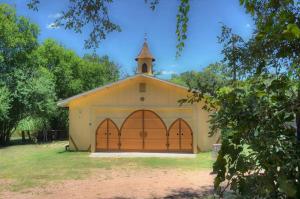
{"points": [[260, 154], [97, 71], [37, 96], [18, 39], [278, 29], [232, 51], [208, 81], [76, 74], [34, 76]]}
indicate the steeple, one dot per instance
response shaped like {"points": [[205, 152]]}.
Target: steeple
{"points": [[145, 60]]}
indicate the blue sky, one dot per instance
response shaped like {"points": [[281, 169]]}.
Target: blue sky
{"points": [[136, 18]]}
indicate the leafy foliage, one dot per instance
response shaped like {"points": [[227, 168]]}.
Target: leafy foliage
{"points": [[4, 102], [95, 14], [258, 112], [97, 70], [18, 39], [259, 148], [208, 81], [33, 125], [182, 25], [233, 53], [80, 14], [34, 76]]}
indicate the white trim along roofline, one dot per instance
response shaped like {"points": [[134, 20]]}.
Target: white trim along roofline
{"points": [[64, 103]]}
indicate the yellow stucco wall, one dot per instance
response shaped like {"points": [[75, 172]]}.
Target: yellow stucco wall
{"points": [[120, 100]]}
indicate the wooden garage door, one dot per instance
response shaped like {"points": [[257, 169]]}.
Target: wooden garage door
{"points": [[180, 136], [143, 130], [107, 136]]}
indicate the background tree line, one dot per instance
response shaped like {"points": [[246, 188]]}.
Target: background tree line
{"points": [[34, 76]]}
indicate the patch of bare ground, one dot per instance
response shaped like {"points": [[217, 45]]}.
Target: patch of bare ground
{"points": [[125, 183], [4, 184]]}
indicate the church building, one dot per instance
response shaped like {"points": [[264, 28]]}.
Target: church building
{"points": [[140, 114]]}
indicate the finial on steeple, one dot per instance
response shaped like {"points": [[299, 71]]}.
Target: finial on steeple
{"points": [[145, 52]]}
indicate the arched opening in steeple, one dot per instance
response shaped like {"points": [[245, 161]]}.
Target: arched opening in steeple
{"points": [[144, 68]]}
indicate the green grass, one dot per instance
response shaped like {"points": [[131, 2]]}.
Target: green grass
{"points": [[34, 165]]}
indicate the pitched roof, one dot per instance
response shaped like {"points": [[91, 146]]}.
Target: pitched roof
{"points": [[145, 53], [65, 102]]}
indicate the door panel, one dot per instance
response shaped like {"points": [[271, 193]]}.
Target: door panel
{"points": [[131, 132], [186, 131], [174, 141], [131, 139], [186, 145], [143, 130], [113, 136], [101, 136], [180, 136], [107, 137], [155, 133], [186, 136]]}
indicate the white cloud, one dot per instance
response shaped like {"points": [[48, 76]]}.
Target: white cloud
{"points": [[55, 15], [248, 25], [52, 26], [168, 72], [172, 65]]}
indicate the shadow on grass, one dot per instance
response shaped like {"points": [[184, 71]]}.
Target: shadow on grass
{"points": [[116, 198], [15, 142], [63, 152], [18, 141], [204, 192]]}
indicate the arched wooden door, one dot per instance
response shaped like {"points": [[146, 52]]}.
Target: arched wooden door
{"points": [[143, 130], [180, 136], [107, 136]]}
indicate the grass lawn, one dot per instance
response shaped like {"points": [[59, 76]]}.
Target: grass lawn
{"points": [[28, 166]]}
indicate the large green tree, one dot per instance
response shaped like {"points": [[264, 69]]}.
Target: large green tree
{"points": [[208, 80], [18, 39], [34, 76], [76, 74], [96, 71], [258, 114]]}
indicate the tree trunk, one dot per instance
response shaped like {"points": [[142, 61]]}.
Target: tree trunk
{"points": [[29, 137], [23, 137], [298, 126], [298, 114]]}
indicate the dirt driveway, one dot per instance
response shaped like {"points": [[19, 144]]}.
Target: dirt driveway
{"points": [[125, 183]]}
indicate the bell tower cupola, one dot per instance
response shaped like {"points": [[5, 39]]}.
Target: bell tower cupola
{"points": [[145, 60]]}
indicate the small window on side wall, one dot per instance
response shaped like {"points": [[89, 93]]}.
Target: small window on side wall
{"points": [[144, 68], [142, 87]]}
